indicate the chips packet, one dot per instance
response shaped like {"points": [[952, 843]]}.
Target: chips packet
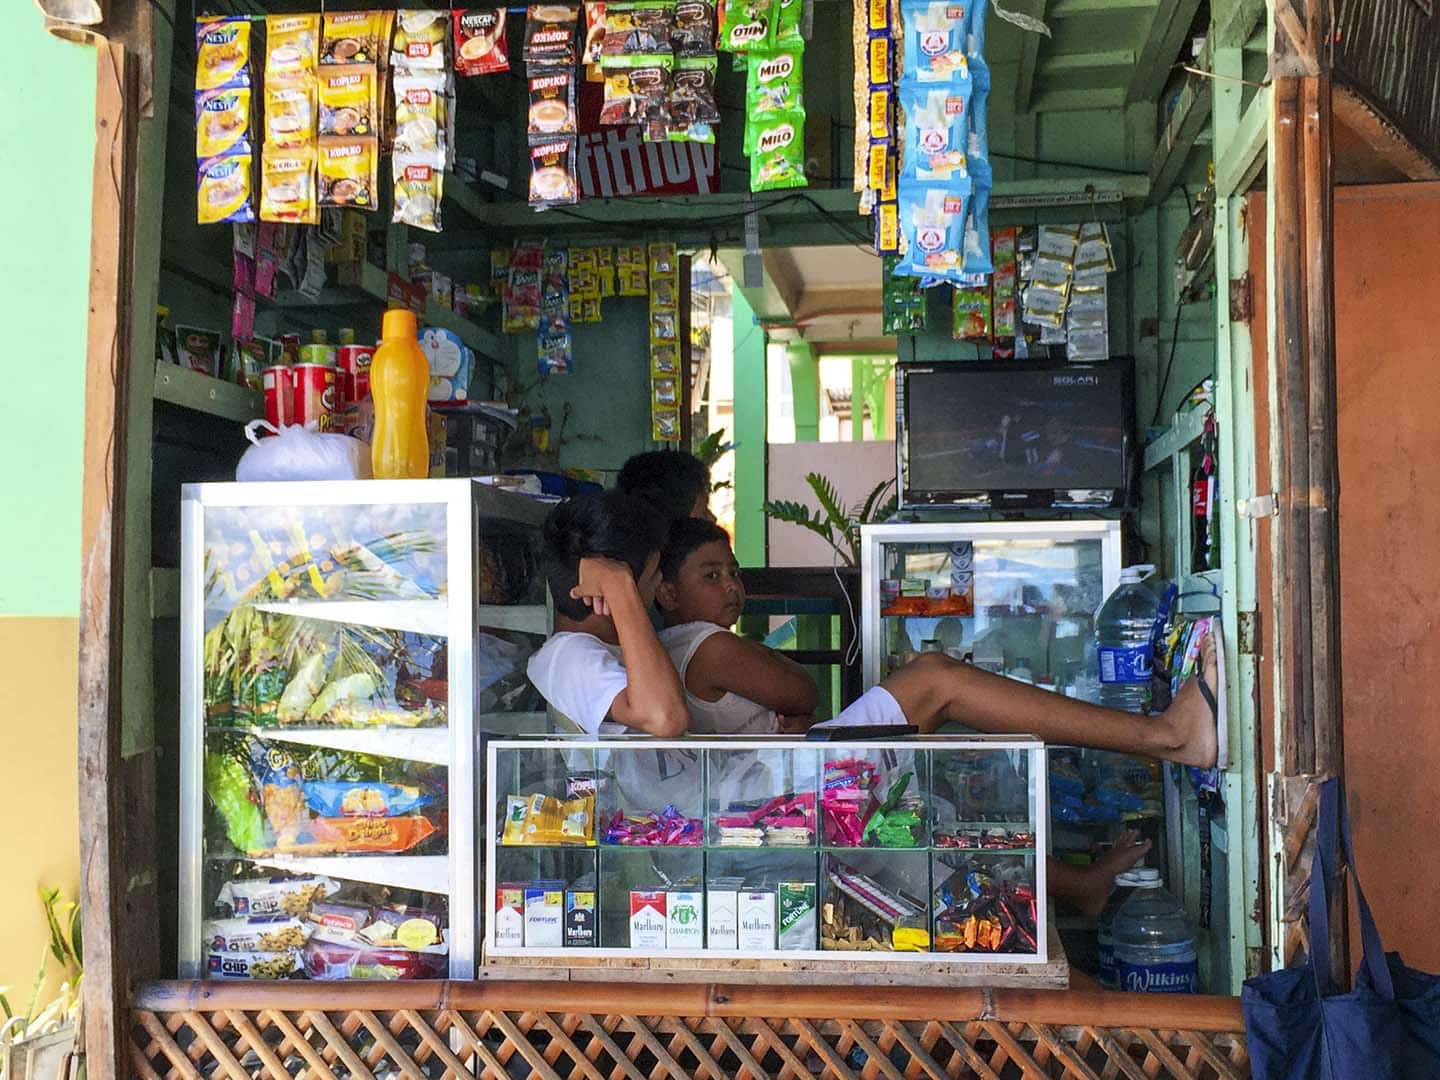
{"points": [[552, 174], [252, 965], [226, 189], [362, 798], [348, 100], [482, 46], [550, 34], [258, 933], [269, 896], [222, 52], [355, 37], [287, 185], [222, 121], [775, 81], [373, 834], [419, 186], [349, 172], [292, 49], [419, 43], [777, 158], [971, 313]]}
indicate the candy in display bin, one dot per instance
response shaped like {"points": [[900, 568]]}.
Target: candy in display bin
{"points": [[450, 362]]}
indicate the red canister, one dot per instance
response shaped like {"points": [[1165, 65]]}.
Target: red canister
{"points": [[354, 373], [314, 397], [279, 388]]}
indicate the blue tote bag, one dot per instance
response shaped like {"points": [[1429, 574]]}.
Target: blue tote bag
{"points": [[1301, 1026]]}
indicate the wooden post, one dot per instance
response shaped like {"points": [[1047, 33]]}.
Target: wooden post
{"points": [[103, 865]]}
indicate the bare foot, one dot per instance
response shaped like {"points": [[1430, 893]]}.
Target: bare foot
{"points": [[1093, 886], [1186, 730]]}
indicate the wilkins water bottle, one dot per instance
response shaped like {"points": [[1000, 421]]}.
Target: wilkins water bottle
{"points": [[1154, 945], [1125, 883], [1122, 635]]}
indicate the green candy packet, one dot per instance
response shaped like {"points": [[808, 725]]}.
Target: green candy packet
{"points": [[777, 151]]}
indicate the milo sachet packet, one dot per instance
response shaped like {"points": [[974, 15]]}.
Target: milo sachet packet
{"points": [[777, 156]]}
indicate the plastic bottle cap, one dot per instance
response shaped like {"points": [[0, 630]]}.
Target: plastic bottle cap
{"points": [[1146, 877], [398, 323], [1134, 574], [1130, 877]]}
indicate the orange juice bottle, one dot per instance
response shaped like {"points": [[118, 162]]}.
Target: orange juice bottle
{"points": [[400, 387]]}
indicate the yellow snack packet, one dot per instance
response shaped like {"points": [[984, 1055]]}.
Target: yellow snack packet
{"points": [[417, 933], [292, 49], [222, 52], [222, 121], [287, 185], [226, 190], [290, 115], [577, 820], [348, 100], [514, 831], [349, 172]]}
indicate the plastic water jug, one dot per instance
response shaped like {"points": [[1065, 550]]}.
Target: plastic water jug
{"points": [[1124, 886], [1122, 637], [1154, 942]]}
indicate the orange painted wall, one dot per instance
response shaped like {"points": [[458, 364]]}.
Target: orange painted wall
{"points": [[1387, 294]]}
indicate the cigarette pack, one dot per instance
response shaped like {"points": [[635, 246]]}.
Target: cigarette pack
{"points": [[757, 921], [544, 918], [579, 918], [686, 923], [647, 918], [509, 916], [722, 928], [798, 926]]}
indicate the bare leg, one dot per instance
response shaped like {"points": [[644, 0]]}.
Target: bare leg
{"points": [[1088, 887], [935, 689]]}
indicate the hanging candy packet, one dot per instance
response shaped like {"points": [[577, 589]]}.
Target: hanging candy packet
{"points": [[637, 28], [972, 313], [521, 295], [552, 104], [775, 82], [745, 25], [935, 38], [553, 340], [552, 174], [932, 223], [550, 34], [777, 158], [222, 47], [481, 44], [419, 43], [936, 131], [694, 31]]}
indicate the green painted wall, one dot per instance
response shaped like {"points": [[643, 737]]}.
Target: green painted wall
{"points": [[47, 128]]}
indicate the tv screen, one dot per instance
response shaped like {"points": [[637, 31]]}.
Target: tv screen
{"points": [[1015, 434]]}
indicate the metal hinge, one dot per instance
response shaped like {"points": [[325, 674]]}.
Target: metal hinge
{"points": [[1257, 506]]}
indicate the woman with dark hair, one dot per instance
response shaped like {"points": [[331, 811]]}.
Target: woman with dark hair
{"points": [[675, 482]]}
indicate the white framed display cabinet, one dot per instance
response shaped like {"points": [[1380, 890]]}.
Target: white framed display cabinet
{"points": [[803, 855], [341, 643]]}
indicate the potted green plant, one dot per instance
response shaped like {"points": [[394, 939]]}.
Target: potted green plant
{"points": [[39, 1044], [831, 521]]}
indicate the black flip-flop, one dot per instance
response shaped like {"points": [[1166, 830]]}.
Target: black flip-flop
{"points": [[1215, 700]]}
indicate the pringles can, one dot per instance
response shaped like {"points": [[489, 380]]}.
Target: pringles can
{"points": [[314, 396], [278, 385], [354, 362]]}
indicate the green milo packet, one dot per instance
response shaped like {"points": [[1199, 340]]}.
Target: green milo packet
{"points": [[746, 25], [785, 24], [775, 81], [777, 151]]}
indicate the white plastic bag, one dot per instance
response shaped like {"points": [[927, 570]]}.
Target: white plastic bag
{"points": [[301, 453]]}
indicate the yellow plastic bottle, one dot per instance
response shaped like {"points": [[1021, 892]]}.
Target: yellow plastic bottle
{"points": [[400, 387]]}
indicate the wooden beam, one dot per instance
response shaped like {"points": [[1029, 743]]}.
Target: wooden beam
{"points": [[1188, 119], [1079, 100], [1163, 42], [1069, 9], [104, 872], [1099, 60], [1390, 146], [1236, 26], [1029, 56], [1241, 161]]}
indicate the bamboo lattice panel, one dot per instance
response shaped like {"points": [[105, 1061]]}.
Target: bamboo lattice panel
{"points": [[619, 1034]]}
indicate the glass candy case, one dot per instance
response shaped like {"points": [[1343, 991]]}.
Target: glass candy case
{"points": [[775, 847], [341, 642]]}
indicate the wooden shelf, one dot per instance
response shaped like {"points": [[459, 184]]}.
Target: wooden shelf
{"points": [[1186, 429], [206, 394]]}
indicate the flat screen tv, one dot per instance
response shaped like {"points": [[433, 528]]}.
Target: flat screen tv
{"points": [[1015, 435]]}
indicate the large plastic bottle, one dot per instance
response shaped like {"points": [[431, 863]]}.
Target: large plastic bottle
{"points": [[1154, 942], [1122, 634], [400, 387], [1124, 886]]}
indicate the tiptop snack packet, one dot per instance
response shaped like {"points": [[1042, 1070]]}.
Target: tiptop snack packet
{"points": [[378, 835], [223, 121], [355, 37], [481, 44], [287, 185], [637, 28], [420, 38], [777, 158], [349, 172], [636, 88], [691, 110], [226, 190], [222, 47]]}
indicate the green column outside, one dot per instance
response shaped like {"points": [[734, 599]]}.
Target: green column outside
{"points": [[859, 383], [749, 351], [805, 391]]}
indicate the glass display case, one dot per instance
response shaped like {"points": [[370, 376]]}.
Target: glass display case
{"points": [[774, 847], [341, 643]]}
